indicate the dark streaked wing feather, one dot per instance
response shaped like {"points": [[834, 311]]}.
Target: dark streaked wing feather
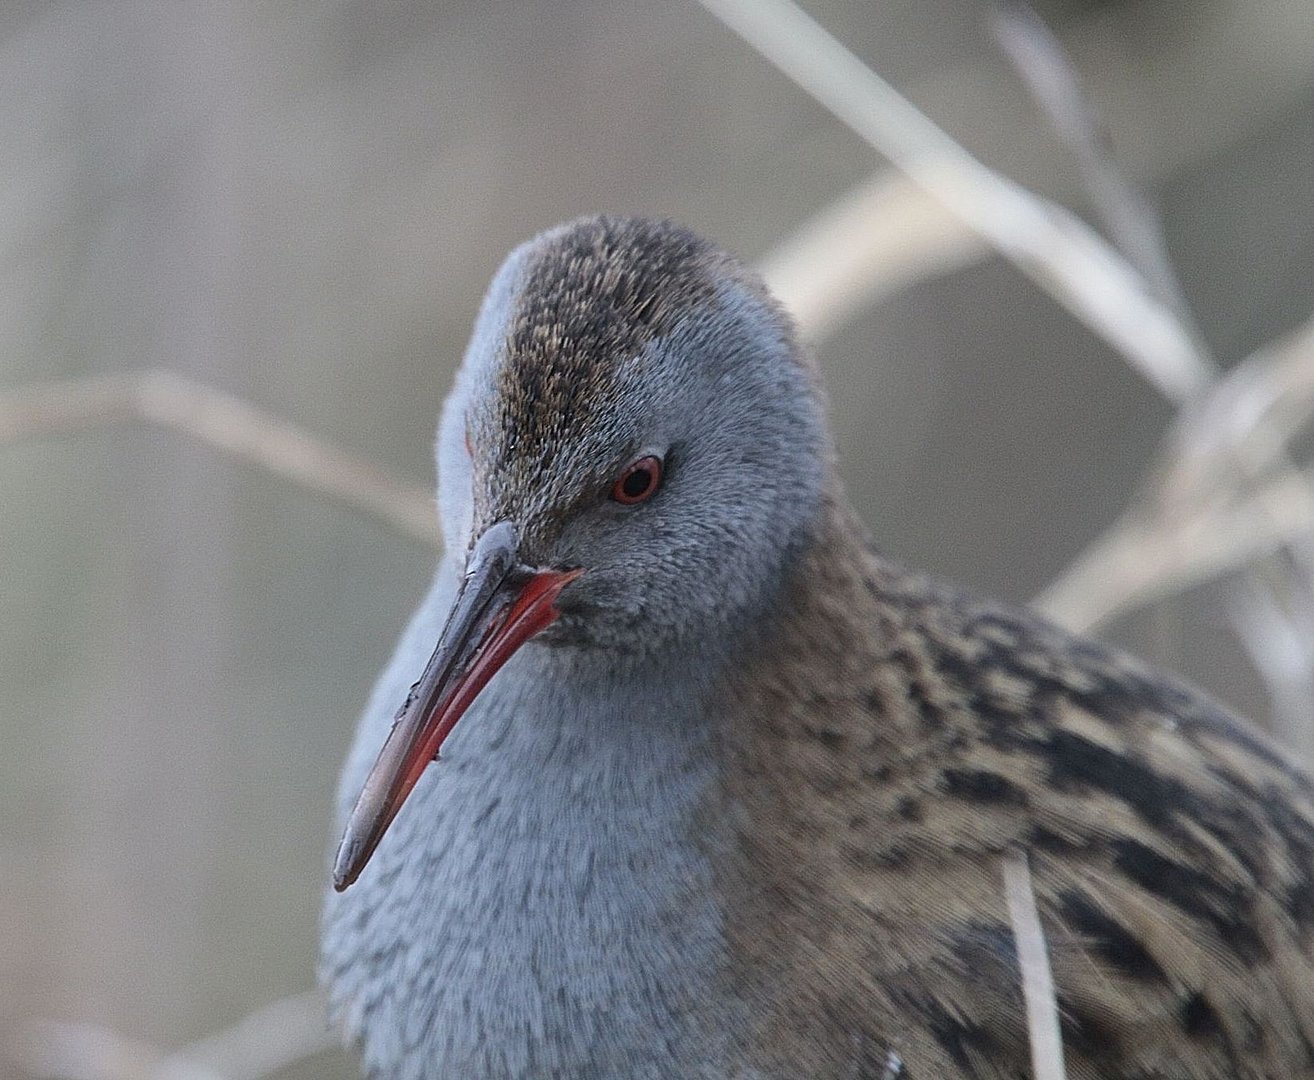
{"points": [[1172, 847]]}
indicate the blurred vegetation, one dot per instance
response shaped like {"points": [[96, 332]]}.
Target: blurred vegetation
{"points": [[300, 205]]}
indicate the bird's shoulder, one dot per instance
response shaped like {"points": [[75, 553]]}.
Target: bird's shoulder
{"points": [[902, 737]]}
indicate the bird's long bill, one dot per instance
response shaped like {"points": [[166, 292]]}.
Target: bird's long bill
{"points": [[500, 606]]}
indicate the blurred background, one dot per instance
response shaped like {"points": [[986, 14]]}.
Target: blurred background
{"points": [[300, 205]]}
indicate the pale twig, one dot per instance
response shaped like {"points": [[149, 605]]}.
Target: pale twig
{"points": [[1246, 422], [56, 1050], [57, 408], [1146, 557], [1277, 641], [1238, 434], [1051, 245], [1202, 516], [1284, 578], [884, 235], [227, 423], [263, 1042], [1033, 962], [1052, 79], [260, 1045]]}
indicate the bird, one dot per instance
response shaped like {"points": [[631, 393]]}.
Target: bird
{"points": [[675, 774]]}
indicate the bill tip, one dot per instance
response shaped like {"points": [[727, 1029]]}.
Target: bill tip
{"points": [[346, 865]]}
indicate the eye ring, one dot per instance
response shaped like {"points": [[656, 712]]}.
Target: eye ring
{"points": [[639, 481]]}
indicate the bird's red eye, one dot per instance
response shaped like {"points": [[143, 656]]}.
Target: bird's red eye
{"points": [[639, 482]]}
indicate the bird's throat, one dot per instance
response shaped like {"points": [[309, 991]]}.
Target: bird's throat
{"points": [[557, 857]]}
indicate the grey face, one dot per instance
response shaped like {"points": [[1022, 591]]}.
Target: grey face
{"points": [[605, 342]]}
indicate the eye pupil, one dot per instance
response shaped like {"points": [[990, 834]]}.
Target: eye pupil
{"points": [[636, 482], [639, 482]]}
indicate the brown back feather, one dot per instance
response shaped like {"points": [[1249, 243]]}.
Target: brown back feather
{"points": [[893, 739]]}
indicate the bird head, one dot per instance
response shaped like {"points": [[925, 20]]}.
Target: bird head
{"points": [[632, 451]]}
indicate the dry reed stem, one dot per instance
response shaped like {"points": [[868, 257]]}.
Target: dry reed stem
{"points": [[1222, 497], [259, 1045], [263, 1042], [58, 1050], [1131, 223], [883, 236], [227, 423], [1048, 243], [1278, 584], [1033, 963]]}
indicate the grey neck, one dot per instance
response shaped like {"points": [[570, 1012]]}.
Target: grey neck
{"points": [[544, 904]]}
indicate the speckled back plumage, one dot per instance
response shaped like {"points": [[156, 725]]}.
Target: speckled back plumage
{"points": [[751, 796], [900, 738]]}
